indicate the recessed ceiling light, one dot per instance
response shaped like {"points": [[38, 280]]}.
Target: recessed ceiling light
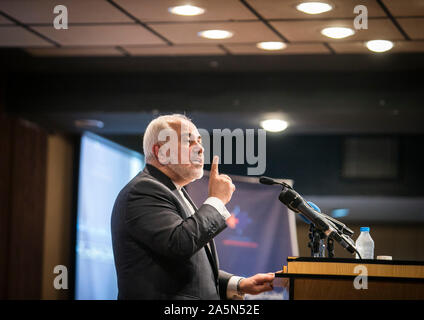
{"points": [[89, 123], [271, 45], [379, 45], [314, 7], [337, 32], [215, 34], [274, 125], [187, 10]]}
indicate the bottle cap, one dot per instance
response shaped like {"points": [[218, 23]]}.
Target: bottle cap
{"points": [[366, 229]]}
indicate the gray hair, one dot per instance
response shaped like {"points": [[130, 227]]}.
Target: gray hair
{"points": [[154, 128]]}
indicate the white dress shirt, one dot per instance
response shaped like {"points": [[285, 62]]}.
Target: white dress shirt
{"points": [[232, 292]]}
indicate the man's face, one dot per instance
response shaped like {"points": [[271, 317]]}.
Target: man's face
{"points": [[190, 151]]}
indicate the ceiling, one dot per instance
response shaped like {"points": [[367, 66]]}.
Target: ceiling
{"points": [[147, 28], [123, 61]]}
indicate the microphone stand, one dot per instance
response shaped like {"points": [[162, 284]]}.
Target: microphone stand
{"points": [[330, 247], [316, 242], [317, 237]]}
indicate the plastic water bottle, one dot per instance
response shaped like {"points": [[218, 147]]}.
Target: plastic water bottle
{"points": [[365, 244]]}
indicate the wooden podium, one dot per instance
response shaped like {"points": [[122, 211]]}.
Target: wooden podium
{"points": [[333, 279]]}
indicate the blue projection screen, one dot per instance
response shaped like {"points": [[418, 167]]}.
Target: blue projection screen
{"points": [[105, 168]]}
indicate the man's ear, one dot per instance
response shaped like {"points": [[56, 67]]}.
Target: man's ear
{"points": [[155, 150]]}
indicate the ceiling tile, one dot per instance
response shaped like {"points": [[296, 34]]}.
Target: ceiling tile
{"points": [[157, 10], [359, 47], [243, 32], [75, 52], [175, 50], [116, 35], [408, 46], [303, 48], [286, 9], [30, 11], [20, 37], [311, 30], [402, 8], [414, 27]]}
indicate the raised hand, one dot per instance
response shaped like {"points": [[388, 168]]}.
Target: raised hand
{"points": [[220, 185]]}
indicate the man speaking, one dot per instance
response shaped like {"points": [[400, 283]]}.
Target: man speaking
{"points": [[163, 244]]}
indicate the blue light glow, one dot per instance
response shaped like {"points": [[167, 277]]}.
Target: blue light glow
{"points": [[338, 213]]}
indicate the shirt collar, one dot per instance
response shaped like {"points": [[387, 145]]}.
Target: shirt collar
{"points": [[177, 186]]}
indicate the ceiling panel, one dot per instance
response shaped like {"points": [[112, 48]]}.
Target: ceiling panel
{"points": [[303, 48], [286, 9], [175, 50], [30, 11], [243, 32], [402, 8], [157, 10], [359, 47], [101, 35], [414, 27], [20, 37], [75, 52], [311, 30], [104, 25]]}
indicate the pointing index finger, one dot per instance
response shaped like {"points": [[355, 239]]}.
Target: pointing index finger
{"points": [[214, 166]]}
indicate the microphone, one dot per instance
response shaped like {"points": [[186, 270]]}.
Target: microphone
{"points": [[341, 226], [315, 207], [296, 203], [270, 181], [321, 221]]}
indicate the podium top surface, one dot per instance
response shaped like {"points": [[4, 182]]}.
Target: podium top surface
{"points": [[357, 261], [349, 267]]}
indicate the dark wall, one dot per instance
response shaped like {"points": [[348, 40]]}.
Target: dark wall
{"points": [[236, 92], [22, 190], [5, 174], [407, 245], [315, 164]]}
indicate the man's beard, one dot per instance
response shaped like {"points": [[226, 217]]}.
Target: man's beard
{"points": [[187, 172]]}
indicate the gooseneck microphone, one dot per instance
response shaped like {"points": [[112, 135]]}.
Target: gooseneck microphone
{"points": [[296, 203], [270, 181], [266, 180], [341, 226]]}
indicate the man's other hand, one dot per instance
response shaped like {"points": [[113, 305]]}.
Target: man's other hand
{"points": [[259, 283]]}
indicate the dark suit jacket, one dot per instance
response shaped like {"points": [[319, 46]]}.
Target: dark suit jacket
{"points": [[160, 250]]}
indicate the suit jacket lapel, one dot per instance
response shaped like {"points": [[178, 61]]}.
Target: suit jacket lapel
{"points": [[163, 178], [187, 212]]}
